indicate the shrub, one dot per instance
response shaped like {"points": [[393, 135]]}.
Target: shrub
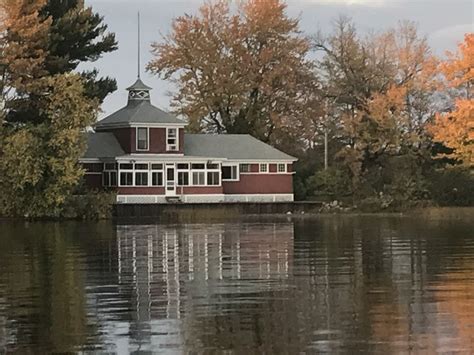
{"points": [[452, 187], [92, 205], [333, 181]]}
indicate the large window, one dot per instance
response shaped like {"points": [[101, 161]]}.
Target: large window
{"points": [[183, 178], [199, 178], [126, 178], [142, 138], [157, 174], [213, 178], [230, 172], [110, 175], [172, 139]]}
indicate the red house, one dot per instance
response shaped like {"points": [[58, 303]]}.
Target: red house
{"points": [[143, 154]]}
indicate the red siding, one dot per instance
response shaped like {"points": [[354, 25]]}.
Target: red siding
{"points": [[273, 168], [200, 190], [127, 139], [254, 168], [260, 184], [289, 168], [141, 190]]}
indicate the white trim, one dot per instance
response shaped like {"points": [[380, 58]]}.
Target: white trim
{"points": [[100, 127], [89, 160], [267, 169], [92, 173], [284, 170], [147, 140], [178, 158], [208, 198], [269, 173], [231, 165], [257, 161]]}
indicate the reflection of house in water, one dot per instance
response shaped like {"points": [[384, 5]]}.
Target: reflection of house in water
{"points": [[169, 270]]}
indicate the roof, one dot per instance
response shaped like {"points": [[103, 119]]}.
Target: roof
{"points": [[102, 145], [139, 85], [140, 111], [231, 146]]}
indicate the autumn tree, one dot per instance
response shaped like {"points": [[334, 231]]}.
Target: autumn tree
{"points": [[380, 87], [39, 167], [455, 129], [242, 71], [67, 34]]}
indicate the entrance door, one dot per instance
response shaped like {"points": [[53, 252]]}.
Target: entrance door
{"points": [[170, 181]]}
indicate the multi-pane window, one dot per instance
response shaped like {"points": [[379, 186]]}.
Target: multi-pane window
{"points": [[110, 174], [282, 168], [157, 178], [142, 138], [141, 178], [230, 172], [171, 139], [199, 178], [183, 178], [263, 168], [126, 178], [244, 168], [213, 178]]}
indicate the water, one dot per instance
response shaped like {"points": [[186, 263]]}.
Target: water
{"points": [[327, 284]]}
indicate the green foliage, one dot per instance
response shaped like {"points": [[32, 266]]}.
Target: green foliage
{"points": [[77, 34], [93, 205], [333, 181], [39, 168], [453, 186]]}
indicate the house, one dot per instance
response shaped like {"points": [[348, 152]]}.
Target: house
{"points": [[144, 154]]}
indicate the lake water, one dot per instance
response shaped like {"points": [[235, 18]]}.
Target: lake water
{"points": [[369, 284]]}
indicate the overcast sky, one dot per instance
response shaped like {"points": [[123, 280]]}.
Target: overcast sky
{"points": [[444, 22]]}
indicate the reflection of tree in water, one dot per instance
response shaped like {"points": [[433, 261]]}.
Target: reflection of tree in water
{"points": [[43, 279]]}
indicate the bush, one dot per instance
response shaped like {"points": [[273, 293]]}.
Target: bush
{"points": [[92, 205], [452, 187], [333, 181]]}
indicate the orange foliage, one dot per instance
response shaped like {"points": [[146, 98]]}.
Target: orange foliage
{"points": [[456, 129]]}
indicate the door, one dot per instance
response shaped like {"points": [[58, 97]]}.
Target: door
{"points": [[170, 181]]}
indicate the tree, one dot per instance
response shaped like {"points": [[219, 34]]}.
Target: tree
{"points": [[77, 35], [243, 72], [39, 168], [380, 87], [455, 129], [68, 34]]}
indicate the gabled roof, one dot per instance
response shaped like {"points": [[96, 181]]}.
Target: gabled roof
{"points": [[138, 112], [102, 145], [232, 147]]}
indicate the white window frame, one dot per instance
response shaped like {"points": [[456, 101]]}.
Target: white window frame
{"points": [[109, 172], [284, 168], [249, 168], [168, 146], [260, 165], [203, 171], [237, 166], [147, 139], [152, 171]]}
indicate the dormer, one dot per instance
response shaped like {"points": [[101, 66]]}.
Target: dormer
{"points": [[142, 128]]}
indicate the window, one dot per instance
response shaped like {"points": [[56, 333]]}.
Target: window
{"points": [[212, 166], [156, 166], [110, 166], [110, 178], [183, 166], [199, 178], [230, 172], [213, 178], [198, 166], [126, 178], [126, 166], [157, 178], [183, 178], [141, 166], [171, 139], [282, 168], [142, 138], [263, 168], [245, 168], [141, 178]]}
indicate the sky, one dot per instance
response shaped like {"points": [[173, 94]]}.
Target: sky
{"points": [[444, 22]]}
